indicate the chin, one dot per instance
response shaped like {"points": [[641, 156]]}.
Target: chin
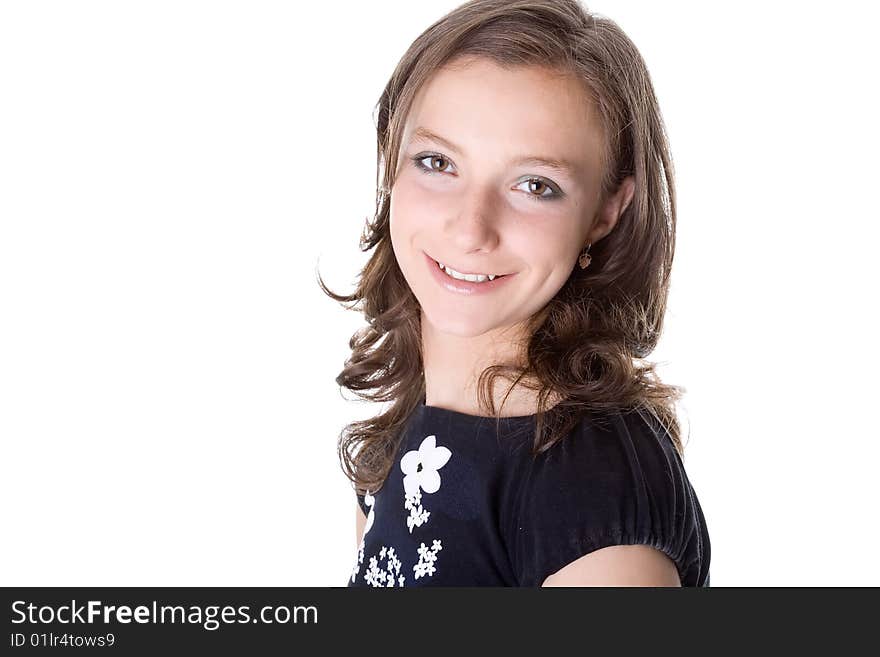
{"points": [[455, 323], [458, 325]]}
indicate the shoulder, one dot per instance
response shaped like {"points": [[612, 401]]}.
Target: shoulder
{"points": [[614, 480], [620, 454]]}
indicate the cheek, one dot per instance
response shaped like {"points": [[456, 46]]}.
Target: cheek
{"points": [[407, 222], [550, 259], [545, 243], [411, 210]]}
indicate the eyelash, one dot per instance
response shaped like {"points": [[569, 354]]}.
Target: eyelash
{"points": [[557, 193]]}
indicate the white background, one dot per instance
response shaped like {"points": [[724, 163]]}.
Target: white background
{"points": [[172, 172]]}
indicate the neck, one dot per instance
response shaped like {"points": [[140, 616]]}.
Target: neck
{"points": [[453, 364]]}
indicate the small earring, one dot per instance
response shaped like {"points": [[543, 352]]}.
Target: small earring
{"points": [[585, 258]]}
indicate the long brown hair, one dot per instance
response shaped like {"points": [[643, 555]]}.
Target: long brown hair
{"points": [[585, 346]]}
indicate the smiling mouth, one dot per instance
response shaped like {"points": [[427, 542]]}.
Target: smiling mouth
{"points": [[465, 276]]}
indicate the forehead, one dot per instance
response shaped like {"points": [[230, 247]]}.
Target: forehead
{"points": [[514, 113]]}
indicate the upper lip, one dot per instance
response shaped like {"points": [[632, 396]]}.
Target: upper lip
{"points": [[461, 271]]}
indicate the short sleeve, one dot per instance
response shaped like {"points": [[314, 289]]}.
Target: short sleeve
{"points": [[621, 483]]}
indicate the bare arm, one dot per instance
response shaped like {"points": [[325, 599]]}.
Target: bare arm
{"points": [[618, 565], [360, 522]]}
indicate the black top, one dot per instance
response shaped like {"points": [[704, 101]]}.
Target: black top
{"points": [[464, 507]]}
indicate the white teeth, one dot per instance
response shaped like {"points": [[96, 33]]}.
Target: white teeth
{"points": [[474, 278]]}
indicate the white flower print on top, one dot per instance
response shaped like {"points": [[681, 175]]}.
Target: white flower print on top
{"points": [[369, 500], [421, 465], [417, 513], [391, 576], [420, 468], [360, 559], [427, 557]]}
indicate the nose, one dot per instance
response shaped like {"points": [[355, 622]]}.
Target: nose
{"points": [[474, 223]]}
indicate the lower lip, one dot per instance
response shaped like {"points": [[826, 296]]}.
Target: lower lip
{"points": [[464, 287]]}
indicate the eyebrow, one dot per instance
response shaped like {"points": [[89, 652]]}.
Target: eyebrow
{"points": [[559, 165]]}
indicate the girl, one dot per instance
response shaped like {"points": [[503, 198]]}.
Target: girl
{"points": [[524, 233]]}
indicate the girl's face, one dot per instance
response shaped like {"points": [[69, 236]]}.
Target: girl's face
{"points": [[471, 193]]}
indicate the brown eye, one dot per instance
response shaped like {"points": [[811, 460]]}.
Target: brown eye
{"points": [[541, 186], [438, 158], [434, 158], [537, 186]]}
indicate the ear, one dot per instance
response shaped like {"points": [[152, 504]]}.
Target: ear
{"points": [[612, 209]]}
